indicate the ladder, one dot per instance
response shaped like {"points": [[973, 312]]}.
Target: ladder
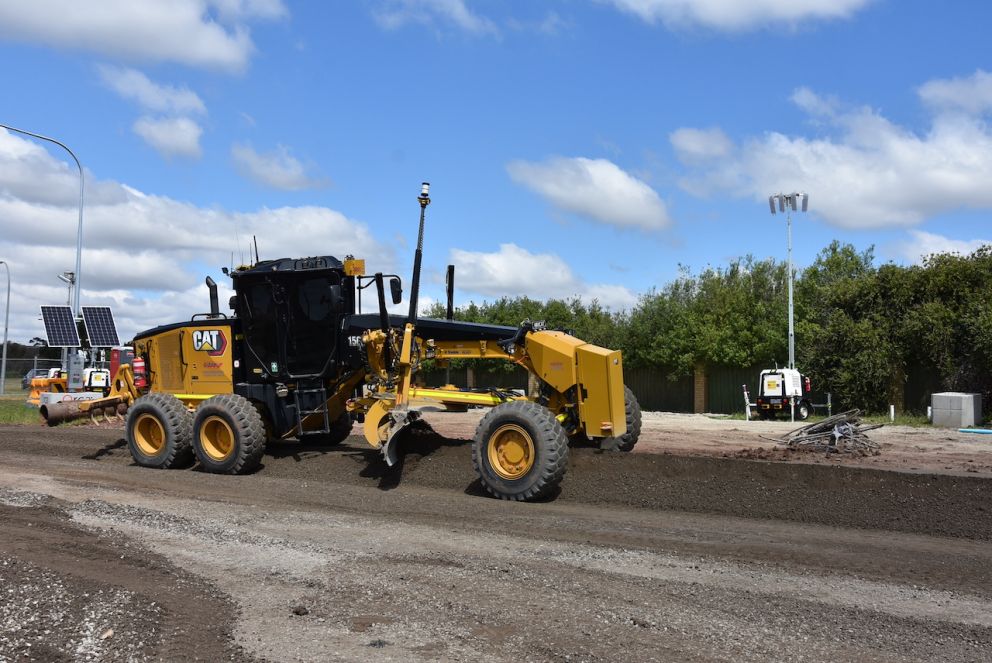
{"points": [[308, 401]]}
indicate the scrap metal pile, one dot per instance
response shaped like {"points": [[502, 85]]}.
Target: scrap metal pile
{"points": [[841, 433]]}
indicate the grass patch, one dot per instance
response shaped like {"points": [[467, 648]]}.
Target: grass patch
{"points": [[914, 420], [14, 411]]}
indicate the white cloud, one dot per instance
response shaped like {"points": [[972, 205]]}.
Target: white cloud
{"points": [[394, 14], [552, 24], [27, 168], [814, 104], [145, 255], [133, 85], [278, 169], [696, 145], [922, 244], [171, 136], [199, 33], [972, 94], [594, 188], [736, 15], [240, 10], [866, 172], [514, 271]]}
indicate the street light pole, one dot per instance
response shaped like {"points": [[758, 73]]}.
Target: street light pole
{"points": [[788, 203], [79, 230], [6, 319]]}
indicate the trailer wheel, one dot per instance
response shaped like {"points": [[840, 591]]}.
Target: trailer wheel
{"points": [[632, 414], [339, 432], [520, 451], [228, 435], [159, 431], [803, 411]]}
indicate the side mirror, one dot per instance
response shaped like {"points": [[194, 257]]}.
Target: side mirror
{"points": [[396, 290], [337, 299]]}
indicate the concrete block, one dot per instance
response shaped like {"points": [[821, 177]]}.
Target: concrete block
{"points": [[956, 410], [941, 401]]}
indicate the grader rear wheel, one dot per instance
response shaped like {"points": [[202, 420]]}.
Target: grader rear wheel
{"points": [[228, 435], [520, 451], [159, 431]]}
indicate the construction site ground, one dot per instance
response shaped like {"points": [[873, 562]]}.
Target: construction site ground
{"points": [[706, 543]]}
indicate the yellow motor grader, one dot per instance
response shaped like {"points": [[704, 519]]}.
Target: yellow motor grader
{"points": [[296, 360]]}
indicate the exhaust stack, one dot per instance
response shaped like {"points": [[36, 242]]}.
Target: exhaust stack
{"points": [[214, 304]]}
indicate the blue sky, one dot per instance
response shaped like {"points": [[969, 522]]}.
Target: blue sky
{"points": [[575, 147]]}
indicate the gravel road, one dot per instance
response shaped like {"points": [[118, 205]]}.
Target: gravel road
{"points": [[326, 554]]}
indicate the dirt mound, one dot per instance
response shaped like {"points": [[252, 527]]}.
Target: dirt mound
{"points": [[840, 495], [833, 495]]}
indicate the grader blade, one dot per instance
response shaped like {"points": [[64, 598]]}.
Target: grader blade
{"points": [[609, 443], [399, 420]]}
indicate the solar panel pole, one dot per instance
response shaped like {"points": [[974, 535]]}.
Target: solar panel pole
{"points": [[6, 319], [79, 229], [68, 278]]}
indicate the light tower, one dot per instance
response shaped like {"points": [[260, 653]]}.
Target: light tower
{"points": [[789, 203]]}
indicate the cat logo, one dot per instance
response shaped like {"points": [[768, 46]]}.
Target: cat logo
{"points": [[211, 341]]}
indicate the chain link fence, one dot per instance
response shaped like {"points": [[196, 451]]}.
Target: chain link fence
{"points": [[13, 380]]}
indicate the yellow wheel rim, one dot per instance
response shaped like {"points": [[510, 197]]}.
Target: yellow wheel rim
{"points": [[216, 438], [149, 434], [511, 451]]}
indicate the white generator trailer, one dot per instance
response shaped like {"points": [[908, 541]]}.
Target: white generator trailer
{"points": [[783, 391]]}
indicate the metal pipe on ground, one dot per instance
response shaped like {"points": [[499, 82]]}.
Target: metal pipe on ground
{"points": [[57, 413]]}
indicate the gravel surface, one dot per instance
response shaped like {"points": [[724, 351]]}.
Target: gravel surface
{"points": [[326, 554], [73, 593]]}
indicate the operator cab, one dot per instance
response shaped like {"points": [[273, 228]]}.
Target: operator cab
{"points": [[291, 313]]}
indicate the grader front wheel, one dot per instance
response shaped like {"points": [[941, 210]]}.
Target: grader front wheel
{"points": [[520, 451], [632, 414]]}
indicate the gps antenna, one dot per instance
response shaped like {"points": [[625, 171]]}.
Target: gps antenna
{"points": [[424, 199]]}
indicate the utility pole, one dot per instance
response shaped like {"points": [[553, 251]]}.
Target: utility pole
{"points": [[79, 230], [6, 320]]}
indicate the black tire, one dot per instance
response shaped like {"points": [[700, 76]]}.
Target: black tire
{"points": [[159, 431], [340, 431], [804, 410], [632, 414], [263, 412], [540, 438], [228, 435]]}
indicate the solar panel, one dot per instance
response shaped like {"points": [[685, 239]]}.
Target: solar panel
{"points": [[60, 327], [100, 328]]}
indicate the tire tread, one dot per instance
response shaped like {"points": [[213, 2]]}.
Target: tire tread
{"points": [[552, 456], [248, 427], [178, 424]]}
